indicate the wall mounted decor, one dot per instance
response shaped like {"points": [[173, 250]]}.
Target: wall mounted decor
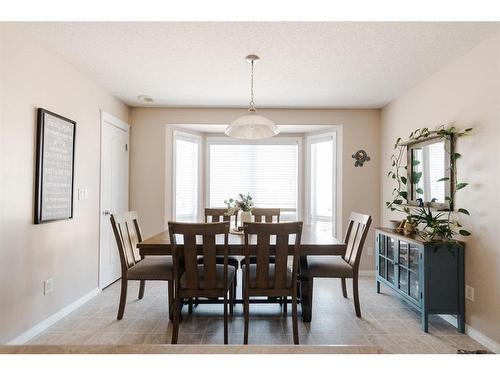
{"points": [[55, 163], [361, 157], [426, 185]]}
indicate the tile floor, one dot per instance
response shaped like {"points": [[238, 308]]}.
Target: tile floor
{"points": [[387, 322]]}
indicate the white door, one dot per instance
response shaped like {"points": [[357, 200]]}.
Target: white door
{"points": [[114, 192]]}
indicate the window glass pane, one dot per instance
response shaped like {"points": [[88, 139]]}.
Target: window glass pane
{"points": [[381, 266], [414, 285], [186, 179], [269, 172], [322, 163], [321, 182]]}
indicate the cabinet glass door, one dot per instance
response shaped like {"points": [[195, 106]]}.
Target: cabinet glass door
{"points": [[382, 267], [414, 261], [414, 285], [403, 267], [386, 246], [414, 254], [391, 244], [390, 272]]}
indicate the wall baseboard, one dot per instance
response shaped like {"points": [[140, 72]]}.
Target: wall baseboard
{"points": [[474, 333], [44, 324], [367, 273]]}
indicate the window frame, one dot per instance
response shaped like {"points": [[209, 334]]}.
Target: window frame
{"points": [[198, 139], [288, 140]]}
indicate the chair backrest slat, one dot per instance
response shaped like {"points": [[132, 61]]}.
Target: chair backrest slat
{"points": [[127, 235], [267, 213], [281, 260], [216, 215], [209, 262], [262, 278], [185, 254], [281, 232], [190, 257], [357, 231]]}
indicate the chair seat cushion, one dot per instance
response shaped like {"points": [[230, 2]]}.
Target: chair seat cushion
{"points": [[253, 275], [219, 270], [152, 268], [329, 266]]}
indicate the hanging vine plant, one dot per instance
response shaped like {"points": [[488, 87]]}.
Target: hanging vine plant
{"points": [[431, 224]]}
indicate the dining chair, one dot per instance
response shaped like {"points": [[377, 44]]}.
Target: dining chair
{"points": [[346, 266], [268, 214], [127, 235], [216, 215], [266, 279], [193, 280]]}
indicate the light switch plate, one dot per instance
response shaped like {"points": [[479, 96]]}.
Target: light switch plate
{"points": [[82, 194], [469, 293], [48, 286]]}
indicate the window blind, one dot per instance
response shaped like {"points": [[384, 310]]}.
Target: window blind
{"points": [[269, 172]]}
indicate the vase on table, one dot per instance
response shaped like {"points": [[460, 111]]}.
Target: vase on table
{"points": [[245, 217]]}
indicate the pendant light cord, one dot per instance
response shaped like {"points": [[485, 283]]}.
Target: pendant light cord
{"points": [[252, 103]]}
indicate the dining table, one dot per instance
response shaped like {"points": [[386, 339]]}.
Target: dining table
{"points": [[315, 241]]}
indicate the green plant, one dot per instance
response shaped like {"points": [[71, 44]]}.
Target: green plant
{"points": [[244, 203], [434, 224]]}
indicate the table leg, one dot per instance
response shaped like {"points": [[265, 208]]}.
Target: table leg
{"points": [[305, 290]]}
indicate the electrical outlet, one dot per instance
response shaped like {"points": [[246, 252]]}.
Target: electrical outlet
{"points": [[469, 293], [369, 249], [48, 286]]}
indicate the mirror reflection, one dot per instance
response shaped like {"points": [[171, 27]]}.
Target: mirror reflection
{"points": [[428, 171]]}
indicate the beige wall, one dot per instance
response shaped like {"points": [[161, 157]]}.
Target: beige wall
{"points": [[67, 250], [150, 158], [466, 93]]}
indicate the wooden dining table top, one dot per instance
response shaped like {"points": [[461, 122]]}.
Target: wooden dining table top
{"points": [[314, 241]]}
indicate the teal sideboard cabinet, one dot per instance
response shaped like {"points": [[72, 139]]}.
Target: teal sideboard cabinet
{"points": [[428, 276]]}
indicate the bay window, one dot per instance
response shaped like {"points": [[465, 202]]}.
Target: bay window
{"points": [[295, 172]]}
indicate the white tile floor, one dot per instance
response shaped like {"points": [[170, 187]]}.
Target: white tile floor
{"points": [[387, 322]]}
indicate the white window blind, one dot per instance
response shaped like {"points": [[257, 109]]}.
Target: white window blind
{"points": [[187, 187], [268, 171]]}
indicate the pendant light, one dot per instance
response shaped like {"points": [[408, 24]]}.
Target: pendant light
{"points": [[252, 126]]}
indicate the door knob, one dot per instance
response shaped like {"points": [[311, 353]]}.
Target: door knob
{"points": [[106, 212]]}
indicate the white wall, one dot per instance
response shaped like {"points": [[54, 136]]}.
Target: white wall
{"points": [[151, 145], [67, 251], [466, 93]]}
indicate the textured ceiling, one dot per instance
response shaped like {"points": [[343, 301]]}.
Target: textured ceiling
{"points": [[307, 65]]}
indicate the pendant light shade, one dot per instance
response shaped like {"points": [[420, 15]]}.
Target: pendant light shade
{"points": [[252, 126]]}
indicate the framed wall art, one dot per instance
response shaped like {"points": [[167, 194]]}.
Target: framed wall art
{"points": [[55, 164]]}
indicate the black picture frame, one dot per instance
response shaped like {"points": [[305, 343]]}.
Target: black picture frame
{"points": [[40, 209]]}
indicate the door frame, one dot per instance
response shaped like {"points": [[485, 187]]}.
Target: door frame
{"points": [[107, 118]]}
